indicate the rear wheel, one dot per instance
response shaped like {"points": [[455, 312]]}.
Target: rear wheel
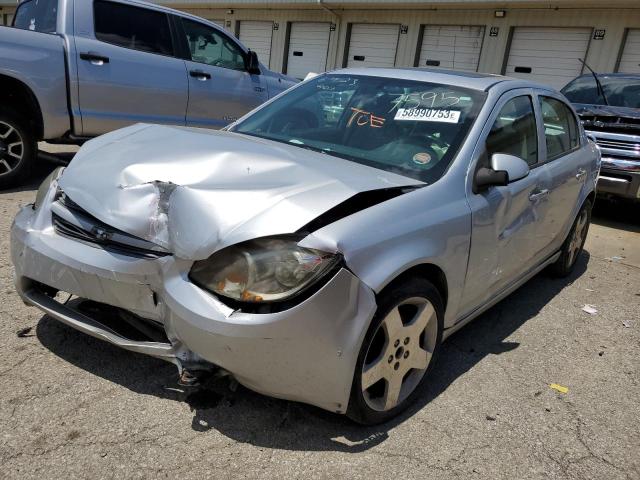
{"points": [[18, 149], [573, 244], [398, 351]]}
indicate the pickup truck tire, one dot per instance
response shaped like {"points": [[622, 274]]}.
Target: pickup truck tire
{"points": [[18, 149]]}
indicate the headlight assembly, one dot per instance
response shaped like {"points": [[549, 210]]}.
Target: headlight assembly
{"points": [[44, 187], [262, 270]]}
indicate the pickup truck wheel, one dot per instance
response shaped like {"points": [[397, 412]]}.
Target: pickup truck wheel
{"points": [[573, 244], [18, 149], [398, 351]]}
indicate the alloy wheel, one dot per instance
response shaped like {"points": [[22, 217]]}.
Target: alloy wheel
{"points": [[11, 148], [577, 238], [399, 353]]}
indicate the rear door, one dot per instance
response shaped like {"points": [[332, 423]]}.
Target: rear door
{"points": [[565, 163], [547, 55], [455, 47], [372, 45], [220, 88], [308, 46], [127, 72]]}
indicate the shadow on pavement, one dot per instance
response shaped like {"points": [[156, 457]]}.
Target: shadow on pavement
{"points": [[622, 215], [248, 417]]}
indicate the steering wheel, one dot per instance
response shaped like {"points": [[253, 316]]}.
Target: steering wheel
{"points": [[296, 119]]}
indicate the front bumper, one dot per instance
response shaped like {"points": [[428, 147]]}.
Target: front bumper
{"points": [[620, 178], [306, 353]]}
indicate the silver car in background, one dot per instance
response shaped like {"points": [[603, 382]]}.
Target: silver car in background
{"points": [[322, 247]]}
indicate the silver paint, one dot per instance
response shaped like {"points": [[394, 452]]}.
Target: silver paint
{"points": [[193, 192]]}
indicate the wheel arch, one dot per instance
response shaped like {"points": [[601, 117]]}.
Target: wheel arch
{"points": [[18, 97], [428, 271]]}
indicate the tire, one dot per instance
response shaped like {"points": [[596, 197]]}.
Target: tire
{"points": [[572, 246], [18, 149], [391, 351]]}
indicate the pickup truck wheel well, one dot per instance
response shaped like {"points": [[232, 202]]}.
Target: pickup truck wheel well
{"points": [[20, 99]]}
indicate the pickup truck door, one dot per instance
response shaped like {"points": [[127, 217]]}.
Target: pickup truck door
{"points": [[505, 240], [220, 88], [126, 69], [566, 162]]}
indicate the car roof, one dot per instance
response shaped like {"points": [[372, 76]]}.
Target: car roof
{"points": [[471, 80]]}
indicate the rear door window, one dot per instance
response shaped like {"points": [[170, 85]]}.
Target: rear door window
{"points": [[514, 131], [37, 16], [560, 127], [132, 27]]}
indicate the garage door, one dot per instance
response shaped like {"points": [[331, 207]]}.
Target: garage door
{"points": [[308, 45], [217, 21], [630, 59], [451, 46], [257, 37], [372, 45], [547, 55]]}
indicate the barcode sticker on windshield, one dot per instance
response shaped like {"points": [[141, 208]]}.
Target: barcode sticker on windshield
{"points": [[428, 115]]}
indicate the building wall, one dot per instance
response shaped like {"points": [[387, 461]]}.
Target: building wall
{"points": [[6, 15], [602, 54]]}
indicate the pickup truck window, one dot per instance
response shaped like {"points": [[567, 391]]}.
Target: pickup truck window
{"points": [[132, 27], [37, 15], [208, 45]]}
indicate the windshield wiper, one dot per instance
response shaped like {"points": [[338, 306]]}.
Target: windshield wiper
{"points": [[598, 84]]}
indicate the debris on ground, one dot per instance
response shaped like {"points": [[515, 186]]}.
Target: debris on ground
{"points": [[491, 418], [590, 309], [24, 332], [627, 324], [559, 388]]}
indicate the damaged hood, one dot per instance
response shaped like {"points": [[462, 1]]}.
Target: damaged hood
{"points": [[195, 191], [589, 110]]}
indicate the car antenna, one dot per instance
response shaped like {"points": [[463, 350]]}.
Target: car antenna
{"points": [[595, 75]]}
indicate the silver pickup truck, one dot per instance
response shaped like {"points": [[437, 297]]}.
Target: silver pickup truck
{"points": [[73, 69]]}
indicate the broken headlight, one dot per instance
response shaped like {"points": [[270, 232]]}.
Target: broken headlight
{"points": [[262, 270], [45, 186]]}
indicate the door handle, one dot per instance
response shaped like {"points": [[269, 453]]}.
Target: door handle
{"points": [[538, 194], [200, 75], [581, 173], [94, 58]]}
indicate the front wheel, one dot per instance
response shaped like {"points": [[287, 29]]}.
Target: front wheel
{"points": [[398, 351], [18, 149], [574, 242]]}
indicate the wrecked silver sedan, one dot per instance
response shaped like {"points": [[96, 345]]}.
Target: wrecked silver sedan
{"points": [[322, 248]]}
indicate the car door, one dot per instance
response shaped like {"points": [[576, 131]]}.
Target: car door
{"points": [[566, 165], [126, 69], [505, 243], [220, 88]]}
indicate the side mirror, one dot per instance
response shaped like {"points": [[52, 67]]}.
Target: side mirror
{"points": [[515, 167], [252, 63], [504, 169]]}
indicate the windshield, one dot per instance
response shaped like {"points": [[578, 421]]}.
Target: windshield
{"points": [[620, 91], [406, 127]]}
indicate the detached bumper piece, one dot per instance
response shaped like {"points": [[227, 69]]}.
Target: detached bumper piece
{"points": [[101, 321]]}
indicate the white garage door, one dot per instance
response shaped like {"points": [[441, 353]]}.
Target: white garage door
{"points": [[451, 46], [630, 59], [257, 37], [217, 21], [373, 45], [547, 55], [308, 45]]}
